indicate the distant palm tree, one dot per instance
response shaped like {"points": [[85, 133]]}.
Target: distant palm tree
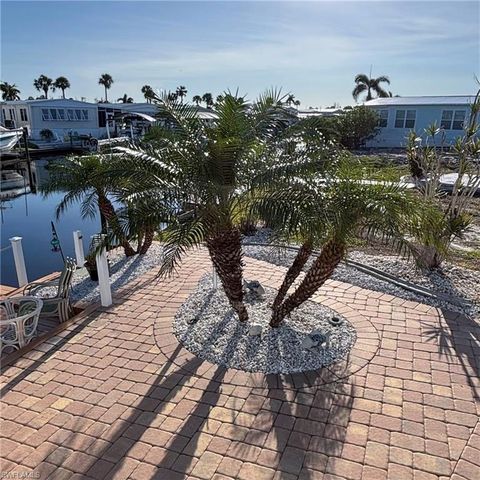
{"points": [[125, 99], [296, 103], [61, 83], [181, 92], [208, 99], [369, 85], [43, 83], [172, 96], [107, 81], [148, 93], [219, 98], [197, 99], [290, 99], [9, 91]]}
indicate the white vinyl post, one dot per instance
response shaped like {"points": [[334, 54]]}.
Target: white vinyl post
{"points": [[78, 243], [103, 277], [19, 260]]}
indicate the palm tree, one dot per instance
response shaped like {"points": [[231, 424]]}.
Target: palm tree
{"points": [[61, 83], [125, 99], [107, 81], [84, 180], [148, 93], [290, 99], [9, 91], [332, 211], [43, 83], [210, 167], [181, 92], [172, 96], [219, 98], [208, 99], [197, 100], [369, 85]]}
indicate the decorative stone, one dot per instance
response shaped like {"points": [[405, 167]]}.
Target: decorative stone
{"points": [[335, 321], [255, 287], [308, 343], [254, 330]]}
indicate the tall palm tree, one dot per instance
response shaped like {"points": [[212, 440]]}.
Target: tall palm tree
{"points": [[125, 99], [208, 99], [370, 85], [61, 83], [148, 93], [84, 180], [9, 91], [210, 166], [332, 211], [197, 100], [107, 81], [43, 83], [181, 92]]}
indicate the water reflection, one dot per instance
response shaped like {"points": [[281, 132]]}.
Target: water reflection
{"points": [[29, 216]]}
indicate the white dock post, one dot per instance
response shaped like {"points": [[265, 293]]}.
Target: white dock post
{"points": [[19, 260], [78, 243], [103, 277]]}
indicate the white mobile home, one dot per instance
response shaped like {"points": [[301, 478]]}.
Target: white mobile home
{"points": [[400, 115], [61, 116]]}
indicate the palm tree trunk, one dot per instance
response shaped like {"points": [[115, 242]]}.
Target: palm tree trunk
{"points": [[225, 250], [141, 234], [149, 235], [106, 208], [63, 93], [293, 272], [321, 270]]}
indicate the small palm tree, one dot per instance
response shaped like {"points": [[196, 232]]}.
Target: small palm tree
{"points": [[370, 85], [125, 99], [197, 100], [172, 96], [208, 99], [331, 211], [43, 84], [148, 93], [85, 180], [9, 91], [61, 83], [181, 92], [210, 167], [107, 81]]}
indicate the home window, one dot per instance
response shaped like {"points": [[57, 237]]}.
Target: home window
{"points": [[405, 118], [78, 114], [53, 113], [383, 118], [45, 114], [453, 119], [71, 115], [12, 114], [84, 114], [61, 114], [23, 115]]}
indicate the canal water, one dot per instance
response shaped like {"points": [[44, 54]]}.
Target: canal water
{"points": [[29, 216]]}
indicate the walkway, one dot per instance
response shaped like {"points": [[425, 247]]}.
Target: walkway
{"points": [[114, 396]]}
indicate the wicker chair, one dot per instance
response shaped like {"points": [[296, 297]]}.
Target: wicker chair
{"points": [[59, 305], [18, 321]]}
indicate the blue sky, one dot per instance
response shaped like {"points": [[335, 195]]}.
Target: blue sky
{"points": [[313, 49]]}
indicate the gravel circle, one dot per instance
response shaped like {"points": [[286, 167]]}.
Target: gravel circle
{"points": [[450, 279], [217, 336], [122, 271]]}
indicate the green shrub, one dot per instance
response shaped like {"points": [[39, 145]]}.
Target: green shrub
{"points": [[356, 126]]}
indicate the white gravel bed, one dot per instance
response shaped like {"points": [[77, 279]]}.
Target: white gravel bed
{"points": [[450, 280], [122, 271], [216, 334]]}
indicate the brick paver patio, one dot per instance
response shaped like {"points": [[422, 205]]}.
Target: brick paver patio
{"points": [[115, 396]]}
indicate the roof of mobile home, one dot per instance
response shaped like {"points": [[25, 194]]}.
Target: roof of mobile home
{"points": [[422, 100]]}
